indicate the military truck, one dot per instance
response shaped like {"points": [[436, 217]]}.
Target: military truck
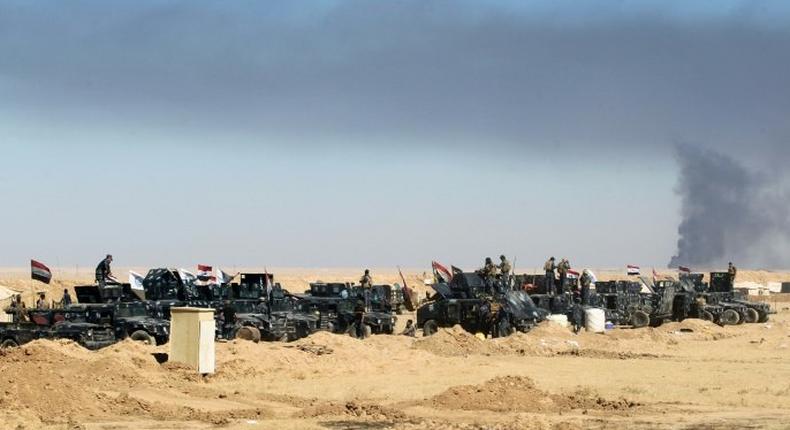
{"points": [[125, 310], [716, 301], [337, 305], [479, 305], [633, 303], [44, 324]]}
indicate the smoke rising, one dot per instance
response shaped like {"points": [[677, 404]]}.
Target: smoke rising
{"points": [[729, 213]]}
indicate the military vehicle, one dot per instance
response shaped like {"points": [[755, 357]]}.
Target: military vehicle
{"points": [[338, 304], [716, 301], [637, 304], [262, 309], [44, 324], [479, 305]]}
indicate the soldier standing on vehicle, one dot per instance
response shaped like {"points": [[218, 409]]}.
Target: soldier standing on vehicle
{"points": [[66, 298], [488, 270], [732, 270], [103, 272], [562, 269], [17, 309], [585, 281], [410, 330], [549, 281], [504, 269], [366, 281], [41, 303]]}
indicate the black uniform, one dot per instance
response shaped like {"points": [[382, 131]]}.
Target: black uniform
{"points": [[103, 272]]}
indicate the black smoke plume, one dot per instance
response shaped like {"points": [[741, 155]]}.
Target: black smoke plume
{"points": [[729, 213]]}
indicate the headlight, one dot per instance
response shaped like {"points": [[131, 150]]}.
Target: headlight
{"points": [[90, 333]]}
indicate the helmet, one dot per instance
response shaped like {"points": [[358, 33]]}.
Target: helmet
{"points": [[502, 257], [488, 260]]}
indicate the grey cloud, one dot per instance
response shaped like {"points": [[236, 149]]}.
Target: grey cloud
{"points": [[415, 71]]}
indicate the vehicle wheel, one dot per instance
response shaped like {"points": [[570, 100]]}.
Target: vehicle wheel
{"points": [[707, 316], [430, 327], [249, 333], [763, 317], [330, 327], [656, 322], [144, 337], [367, 331], [752, 316], [729, 317], [640, 319], [9, 343]]}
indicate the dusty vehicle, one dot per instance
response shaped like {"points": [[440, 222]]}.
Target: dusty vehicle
{"points": [[339, 305], [637, 304], [716, 301], [44, 324], [479, 306]]}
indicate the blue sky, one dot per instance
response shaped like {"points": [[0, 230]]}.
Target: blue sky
{"points": [[373, 133]]}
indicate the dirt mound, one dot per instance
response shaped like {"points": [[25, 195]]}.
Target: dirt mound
{"points": [[353, 409], [456, 342], [519, 394]]}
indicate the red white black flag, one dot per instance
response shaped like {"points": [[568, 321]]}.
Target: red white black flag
{"points": [[632, 270], [440, 273], [684, 269], [40, 272], [205, 275]]}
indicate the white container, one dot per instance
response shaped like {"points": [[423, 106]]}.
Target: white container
{"points": [[192, 338], [595, 320], [559, 319]]}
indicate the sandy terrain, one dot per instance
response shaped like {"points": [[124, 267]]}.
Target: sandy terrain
{"points": [[678, 376]]}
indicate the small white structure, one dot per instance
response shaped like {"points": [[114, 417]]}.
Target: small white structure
{"points": [[595, 320], [192, 338], [559, 319]]}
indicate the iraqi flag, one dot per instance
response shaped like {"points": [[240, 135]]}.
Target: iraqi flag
{"points": [[682, 269], [40, 272], [632, 270], [572, 274], [440, 273], [205, 275]]}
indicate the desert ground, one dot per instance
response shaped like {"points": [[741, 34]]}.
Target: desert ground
{"points": [[689, 375]]}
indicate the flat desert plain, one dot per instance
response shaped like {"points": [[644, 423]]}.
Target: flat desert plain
{"points": [[688, 375]]}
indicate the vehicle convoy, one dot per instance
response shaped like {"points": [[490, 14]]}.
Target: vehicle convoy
{"points": [[338, 304], [63, 324], [479, 305], [633, 303], [716, 301], [261, 309]]}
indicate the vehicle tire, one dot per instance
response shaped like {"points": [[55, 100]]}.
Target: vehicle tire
{"points": [[729, 317], [144, 337], [706, 316], [330, 327], [429, 328], [657, 322], [248, 333], [752, 316], [9, 343], [763, 317], [367, 331], [640, 319]]}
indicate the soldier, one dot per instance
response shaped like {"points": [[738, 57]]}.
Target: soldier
{"points": [[66, 298], [585, 281], [488, 270], [562, 269], [504, 266], [41, 303], [103, 272], [17, 309], [228, 316], [410, 330], [366, 281], [549, 281], [577, 315], [732, 270], [359, 317]]}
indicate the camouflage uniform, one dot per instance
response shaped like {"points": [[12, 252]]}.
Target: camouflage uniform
{"points": [[366, 281], [732, 270], [410, 330], [586, 281], [504, 267], [549, 281], [562, 269]]}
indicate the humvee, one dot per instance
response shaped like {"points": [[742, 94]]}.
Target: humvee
{"points": [[478, 305], [44, 324]]}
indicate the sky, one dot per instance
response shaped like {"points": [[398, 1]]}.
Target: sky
{"points": [[361, 133]]}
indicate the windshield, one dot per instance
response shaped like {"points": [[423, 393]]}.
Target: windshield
{"points": [[132, 310]]}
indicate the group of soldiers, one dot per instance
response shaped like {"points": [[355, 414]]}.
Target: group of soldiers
{"points": [[490, 270]]}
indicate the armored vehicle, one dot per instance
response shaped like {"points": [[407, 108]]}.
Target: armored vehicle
{"points": [[44, 324], [479, 305], [717, 301], [638, 304], [338, 306]]}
